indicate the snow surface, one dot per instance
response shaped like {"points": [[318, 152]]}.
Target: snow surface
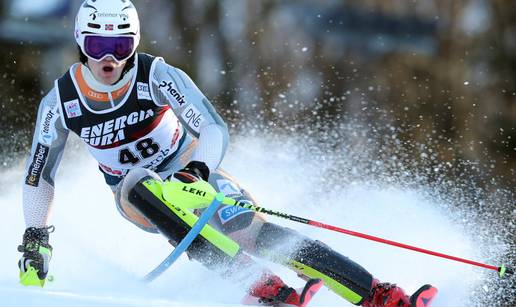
{"points": [[99, 258]]}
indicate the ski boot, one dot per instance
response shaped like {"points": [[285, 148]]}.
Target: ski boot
{"points": [[270, 290], [390, 295]]}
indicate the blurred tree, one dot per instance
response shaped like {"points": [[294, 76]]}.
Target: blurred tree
{"points": [[427, 85], [440, 74]]}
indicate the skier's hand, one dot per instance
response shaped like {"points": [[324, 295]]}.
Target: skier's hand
{"points": [[193, 171], [36, 256]]}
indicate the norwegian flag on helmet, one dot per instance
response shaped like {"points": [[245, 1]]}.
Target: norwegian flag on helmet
{"points": [[109, 27]]}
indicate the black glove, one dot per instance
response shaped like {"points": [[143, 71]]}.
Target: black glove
{"points": [[36, 256], [193, 171]]}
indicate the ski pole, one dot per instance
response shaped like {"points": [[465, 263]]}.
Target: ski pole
{"points": [[502, 270], [196, 193]]}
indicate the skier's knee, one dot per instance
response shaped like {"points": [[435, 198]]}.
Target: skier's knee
{"points": [[124, 206]]}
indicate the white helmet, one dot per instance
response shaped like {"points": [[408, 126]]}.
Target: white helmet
{"points": [[107, 18]]}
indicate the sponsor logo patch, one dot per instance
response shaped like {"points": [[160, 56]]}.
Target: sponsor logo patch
{"points": [[143, 91], [46, 135], [38, 161], [72, 108], [112, 131], [157, 160], [193, 118], [228, 213], [227, 187], [168, 89], [111, 171], [110, 15]]}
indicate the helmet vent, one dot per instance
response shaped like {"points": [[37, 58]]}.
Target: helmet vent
{"points": [[124, 26], [93, 25]]}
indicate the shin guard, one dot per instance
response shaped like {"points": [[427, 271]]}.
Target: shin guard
{"points": [[211, 248], [315, 259]]}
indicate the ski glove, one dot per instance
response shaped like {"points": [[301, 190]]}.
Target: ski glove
{"points": [[36, 256], [193, 171]]}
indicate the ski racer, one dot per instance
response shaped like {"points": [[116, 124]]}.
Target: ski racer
{"points": [[143, 118]]}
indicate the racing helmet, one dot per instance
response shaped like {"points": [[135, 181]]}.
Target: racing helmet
{"points": [[107, 28]]}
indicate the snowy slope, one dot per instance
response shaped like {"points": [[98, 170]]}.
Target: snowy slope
{"points": [[99, 257]]}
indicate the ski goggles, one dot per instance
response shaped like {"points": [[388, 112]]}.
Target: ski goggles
{"points": [[98, 47]]}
